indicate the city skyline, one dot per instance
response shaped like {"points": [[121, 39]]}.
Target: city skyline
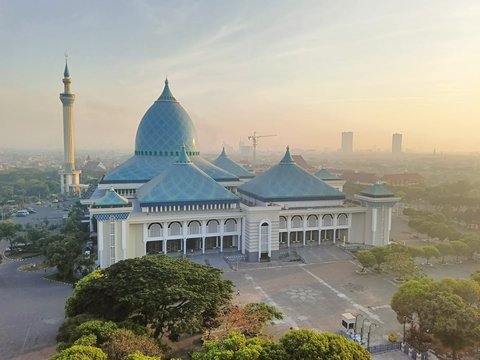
{"points": [[304, 71]]}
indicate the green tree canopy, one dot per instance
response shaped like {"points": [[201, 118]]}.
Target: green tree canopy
{"points": [[307, 344], [8, 231], [123, 342], [81, 352], [429, 252], [366, 258], [171, 295]]}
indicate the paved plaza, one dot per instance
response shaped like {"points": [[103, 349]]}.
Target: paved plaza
{"points": [[315, 295]]}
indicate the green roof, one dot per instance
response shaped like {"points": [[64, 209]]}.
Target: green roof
{"points": [[227, 164], [377, 190], [111, 199], [287, 181], [324, 174], [183, 183]]}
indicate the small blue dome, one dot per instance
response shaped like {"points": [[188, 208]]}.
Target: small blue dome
{"points": [[165, 128]]}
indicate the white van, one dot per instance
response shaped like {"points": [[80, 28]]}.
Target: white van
{"points": [[22, 213]]}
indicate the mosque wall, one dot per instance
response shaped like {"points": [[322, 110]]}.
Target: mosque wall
{"points": [[358, 228]]}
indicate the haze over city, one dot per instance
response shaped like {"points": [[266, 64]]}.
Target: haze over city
{"points": [[305, 71]]}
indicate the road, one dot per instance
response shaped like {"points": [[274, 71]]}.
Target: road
{"points": [[32, 309]]}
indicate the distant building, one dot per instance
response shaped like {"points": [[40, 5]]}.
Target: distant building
{"points": [[93, 165], [347, 142], [358, 177], [300, 161], [403, 179], [396, 143]]}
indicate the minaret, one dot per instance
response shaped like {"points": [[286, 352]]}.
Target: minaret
{"points": [[69, 176]]}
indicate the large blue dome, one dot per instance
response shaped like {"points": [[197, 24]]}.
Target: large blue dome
{"points": [[165, 128]]}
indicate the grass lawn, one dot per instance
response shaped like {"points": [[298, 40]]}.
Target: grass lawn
{"points": [[24, 255], [56, 277]]}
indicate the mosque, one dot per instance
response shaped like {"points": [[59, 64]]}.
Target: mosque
{"points": [[168, 199]]}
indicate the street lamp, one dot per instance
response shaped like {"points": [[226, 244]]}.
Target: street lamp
{"points": [[369, 330], [355, 326], [361, 331]]}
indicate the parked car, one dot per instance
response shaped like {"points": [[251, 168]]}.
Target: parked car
{"points": [[22, 213], [31, 210]]}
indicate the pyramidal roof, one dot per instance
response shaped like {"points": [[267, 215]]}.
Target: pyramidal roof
{"points": [[324, 174], [166, 94], [66, 73], [227, 164], [111, 199], [377, 190], [183, 183], [287, 181]]}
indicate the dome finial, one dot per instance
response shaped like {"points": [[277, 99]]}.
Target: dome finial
{"points": [[66, 73], [287, 158], [224, 153], [166, 93]]}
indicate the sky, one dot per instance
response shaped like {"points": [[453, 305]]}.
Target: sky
{"points": [[303, 70]]}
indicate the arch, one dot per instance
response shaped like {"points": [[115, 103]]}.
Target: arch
{"points": [[230, 225], [327, 220], [283, 222], [174, 228], [154, 230], [194, 227], [342, 219], [297, 222], [264, 238], [312, 221], [213, 226]]}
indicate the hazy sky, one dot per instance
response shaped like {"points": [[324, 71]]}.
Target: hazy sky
{"points": [[304, 70]]}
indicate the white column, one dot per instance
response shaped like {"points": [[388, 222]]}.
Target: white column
{"points": [[374, 225], [100, 243], [124, 240], [184, 236], [165, 235], [244, 240], [304, 230], [289, 225], [204, 234], [222, 230]]}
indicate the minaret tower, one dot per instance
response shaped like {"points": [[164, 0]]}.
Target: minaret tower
{"points": [[69, 176]]}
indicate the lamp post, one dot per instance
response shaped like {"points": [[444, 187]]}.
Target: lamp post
{"points": [[369, 330], [361, 331], [355, 326]]}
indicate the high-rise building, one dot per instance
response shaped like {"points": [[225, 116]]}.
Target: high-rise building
{"points": [[347, 142], [396, 143], [69, 176]]}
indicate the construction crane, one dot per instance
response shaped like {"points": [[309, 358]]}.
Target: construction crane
{"points": [[254, 139]]}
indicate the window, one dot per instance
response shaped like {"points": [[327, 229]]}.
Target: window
{"points": [[327, 220], [212, 226], [283, 222], [155, 230], [312, 221], [230, 225], [342, 220], [175, 229], [194, 227], [297, 222]]}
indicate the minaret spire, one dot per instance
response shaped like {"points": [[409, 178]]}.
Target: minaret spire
{"points": [[70, 177]]}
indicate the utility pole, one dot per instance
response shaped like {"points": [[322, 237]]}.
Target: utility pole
{"points": [[254, 139]]}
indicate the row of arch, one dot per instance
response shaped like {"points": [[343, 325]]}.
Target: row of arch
{"points": [[193, 227], [296, 221]]}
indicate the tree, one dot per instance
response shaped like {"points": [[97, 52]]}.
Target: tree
{"points": [[124, 342], [249, 320], [460, 248], [401, 264], [237, 347], [446, 309], [66, 253], [8, 231], [380, 253], [81, 352], [170, 295], [137, 355], [445, 249], [429, 252], [366, 258], [308, 344], [102, 330]]}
